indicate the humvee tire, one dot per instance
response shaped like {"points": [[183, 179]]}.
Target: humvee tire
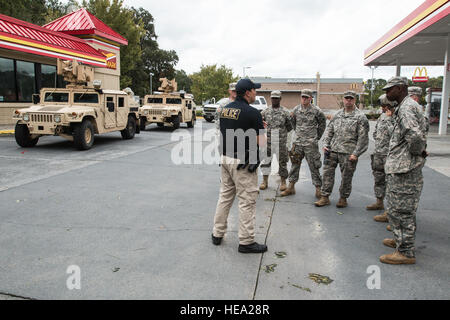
{"points": [[209, 119], [83, 135], [142, 124], [129, 132], [23, 138], [191, 123], [160, 125], [177, 121]]}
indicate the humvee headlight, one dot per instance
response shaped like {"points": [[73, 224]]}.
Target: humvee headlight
{"points": [[26, 117], [57, 118], [164, 113], [146, 112]]}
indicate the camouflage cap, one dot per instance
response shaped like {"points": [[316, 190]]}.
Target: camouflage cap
{"points": [[415, 91], [232, 86], [396, 81], [384, 101], [307, 93], [351, 94], [276, 94]]}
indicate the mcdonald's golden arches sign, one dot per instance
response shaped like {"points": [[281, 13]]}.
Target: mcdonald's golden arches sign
{"points": [[420, 75]]}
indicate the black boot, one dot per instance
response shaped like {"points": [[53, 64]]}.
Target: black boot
{"points": [[253, 248]]}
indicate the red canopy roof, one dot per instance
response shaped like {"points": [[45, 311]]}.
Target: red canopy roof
{"points": [[82, 22], [26, 37]]}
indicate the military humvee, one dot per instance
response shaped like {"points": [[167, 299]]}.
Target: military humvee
{"points": [[168, 107], [77, 112]]}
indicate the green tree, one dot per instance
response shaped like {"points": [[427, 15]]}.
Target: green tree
{"points": [[122, 20], [33, 11], [160, 63], [377, 92], [210, 82], [183, 80]]}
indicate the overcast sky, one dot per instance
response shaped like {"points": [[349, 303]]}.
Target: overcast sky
{"points": [[278, 38]]}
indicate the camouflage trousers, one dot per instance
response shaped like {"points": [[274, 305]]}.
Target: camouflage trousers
{"points": [[312, 155], [347, 167], [281, 150], [378, 162], [403, 194]]}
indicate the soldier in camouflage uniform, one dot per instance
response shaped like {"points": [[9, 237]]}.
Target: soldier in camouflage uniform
{"points": [[404, 164], [347, 138], [382, 136], [278, 126], [230, 99], [310, 123], [416, 94]]}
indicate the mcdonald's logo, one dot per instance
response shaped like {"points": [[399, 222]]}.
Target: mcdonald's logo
{"points": [[420, 75], [354, 86]]}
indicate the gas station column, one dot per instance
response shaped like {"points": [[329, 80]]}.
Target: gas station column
{"points": [[445, 91]]}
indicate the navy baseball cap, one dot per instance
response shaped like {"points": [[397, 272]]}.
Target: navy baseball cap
{"points": [[246, 85]]}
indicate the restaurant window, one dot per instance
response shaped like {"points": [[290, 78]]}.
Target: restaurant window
{"points": [[26, 80], [7, 80], [49, 78]]}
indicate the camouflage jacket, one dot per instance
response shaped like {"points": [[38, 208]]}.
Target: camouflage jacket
{"points": [[408, 139], [382, 134], [277, 119], [309, 123], [217, 114], [348, 133]]}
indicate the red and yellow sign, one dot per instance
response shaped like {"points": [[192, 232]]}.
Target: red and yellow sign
{"points": [[420, 75], [111, 59]]}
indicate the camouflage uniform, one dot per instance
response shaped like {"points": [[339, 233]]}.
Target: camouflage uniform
{"points": [[278, 125], [222, 105], [310, 123], [404, 165], [382, 136], [347, 134]]}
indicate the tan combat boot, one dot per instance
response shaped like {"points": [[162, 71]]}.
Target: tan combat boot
{"points": [[265, 183], [290, 190], [324, 201], [318, 193], [342, 203], [397, 258], [389, 228], [283, 185], [390, 243], [381, 218], [379, 205]]}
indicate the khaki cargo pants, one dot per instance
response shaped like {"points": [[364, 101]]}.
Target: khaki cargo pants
{"points": [[245, 185]]}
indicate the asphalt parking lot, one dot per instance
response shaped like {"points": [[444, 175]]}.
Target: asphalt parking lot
{"points": [[139, 226]]}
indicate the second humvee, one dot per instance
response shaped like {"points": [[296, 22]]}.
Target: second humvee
{"points": [[168, 107]]}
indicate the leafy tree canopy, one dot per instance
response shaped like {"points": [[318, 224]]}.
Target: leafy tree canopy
{"points": [[211, 81]]}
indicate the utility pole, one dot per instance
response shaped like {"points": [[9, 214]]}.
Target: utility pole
{"points": [[151, 87]]}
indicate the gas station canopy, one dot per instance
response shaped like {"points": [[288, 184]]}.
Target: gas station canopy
{"points": [[421, 39]]}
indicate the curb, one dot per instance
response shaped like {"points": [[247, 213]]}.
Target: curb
{"points": [[6, 132]]}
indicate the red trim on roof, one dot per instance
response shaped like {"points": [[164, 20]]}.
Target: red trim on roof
{"points": [[411, 34], [83, 22], [27, 34], [427, 4]]}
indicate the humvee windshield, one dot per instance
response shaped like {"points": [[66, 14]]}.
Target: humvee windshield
{"points": [[173, 101], [62, 97], [85, 98], [155, 100]]}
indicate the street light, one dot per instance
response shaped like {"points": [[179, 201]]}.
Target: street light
{"points": [[244, 70], [151, 88], [372, 86]]}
